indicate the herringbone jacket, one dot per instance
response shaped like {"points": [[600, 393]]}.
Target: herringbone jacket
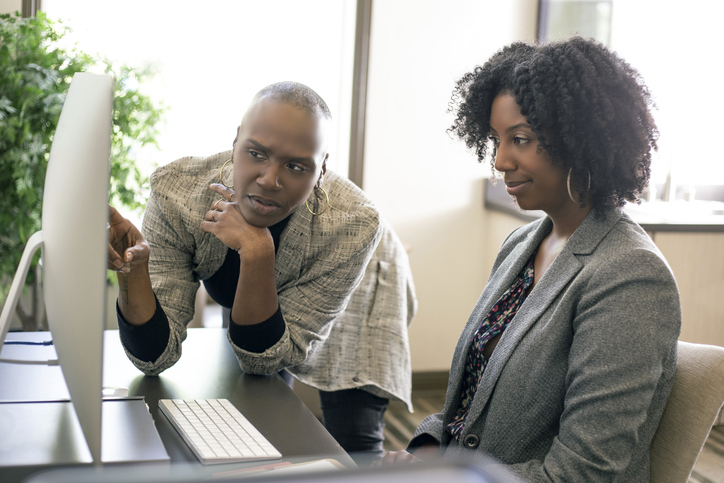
{"points": [[343, 281]]}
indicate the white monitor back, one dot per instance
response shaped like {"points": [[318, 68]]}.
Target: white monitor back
{"points": [[75, 213]]}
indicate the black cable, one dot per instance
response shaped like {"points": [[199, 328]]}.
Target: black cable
{"points": [[28, 342]]}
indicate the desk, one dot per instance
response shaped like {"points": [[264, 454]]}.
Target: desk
{"points": [[207, 369]]}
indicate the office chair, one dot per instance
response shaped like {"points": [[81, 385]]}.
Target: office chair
{"points": [[693, 407]]}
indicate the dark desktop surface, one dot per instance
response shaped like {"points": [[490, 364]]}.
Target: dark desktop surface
{"points": [[207, 369]]}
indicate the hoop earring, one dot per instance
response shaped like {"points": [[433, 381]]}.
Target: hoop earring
{"points": [[326, 196], [568, 183], [221, 175]]}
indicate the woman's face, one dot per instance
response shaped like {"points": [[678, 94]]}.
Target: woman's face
{"points": [[279, 156], [529, 176]]}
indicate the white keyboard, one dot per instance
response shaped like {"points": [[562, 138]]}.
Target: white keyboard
{"points": [[216, 431]]}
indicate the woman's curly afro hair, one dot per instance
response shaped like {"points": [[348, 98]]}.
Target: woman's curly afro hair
{"points": [[589, 109]]}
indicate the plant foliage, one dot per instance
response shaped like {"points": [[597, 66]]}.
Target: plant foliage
{"points": [[35, 74]]}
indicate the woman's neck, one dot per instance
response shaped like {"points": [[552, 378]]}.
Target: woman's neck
{"points": [[553, 243], [564, 224]]}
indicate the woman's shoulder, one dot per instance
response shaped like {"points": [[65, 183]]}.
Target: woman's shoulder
{"points": [[347, 201], [185, 182], [189, 173], [627, 235], [627, 246], [346, 195], [180, 189], [351, 216]]}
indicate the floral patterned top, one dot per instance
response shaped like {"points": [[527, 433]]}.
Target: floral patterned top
{"points": [[493, 324]]}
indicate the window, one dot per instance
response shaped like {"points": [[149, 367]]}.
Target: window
{"points": [[674, 47], [211, 57]]}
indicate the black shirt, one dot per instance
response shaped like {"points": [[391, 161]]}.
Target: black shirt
{"points": [[148, 341]]}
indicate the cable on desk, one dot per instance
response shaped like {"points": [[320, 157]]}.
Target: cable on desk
{"points": [[28, 342]]}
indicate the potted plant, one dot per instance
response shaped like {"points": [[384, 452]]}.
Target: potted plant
{"points": [[35, 73]]}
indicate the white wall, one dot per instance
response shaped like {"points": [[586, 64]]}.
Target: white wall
{"points": [[11, 6], [429, 186]]}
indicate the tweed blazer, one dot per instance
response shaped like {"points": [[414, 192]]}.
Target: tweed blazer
{"points": [[578, 382], [343, 281]]}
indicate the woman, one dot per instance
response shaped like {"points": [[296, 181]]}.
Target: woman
{"points": [[566, 363], [284, 243]]}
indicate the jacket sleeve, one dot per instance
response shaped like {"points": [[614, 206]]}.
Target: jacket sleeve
{"points": [[317, 298], [429, 431], [623, 352], [171, 269]]}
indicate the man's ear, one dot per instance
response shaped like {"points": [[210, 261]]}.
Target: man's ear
{"points": [[318, 184]]}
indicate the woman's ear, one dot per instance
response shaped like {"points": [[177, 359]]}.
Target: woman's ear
{"points": [[236, 138], [318, 184]]}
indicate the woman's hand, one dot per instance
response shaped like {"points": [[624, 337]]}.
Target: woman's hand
{"points": [[225, 221], [128, 254], [396, 457], [256, 293], [425, 452], [126, 246]]}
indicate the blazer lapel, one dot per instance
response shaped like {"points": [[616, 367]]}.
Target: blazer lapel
{"points": [[563, 269], [499, 282], [294, 245], [557, 277]]}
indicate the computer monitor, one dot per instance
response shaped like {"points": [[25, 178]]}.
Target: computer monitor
{"points": [[74, 242], [475, 469]]}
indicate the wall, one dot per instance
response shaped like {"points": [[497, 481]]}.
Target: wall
{"points": [[425, 183], [11, 6], [696, 258]]}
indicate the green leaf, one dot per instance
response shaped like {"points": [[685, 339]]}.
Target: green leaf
{"points": [[35, 74]]}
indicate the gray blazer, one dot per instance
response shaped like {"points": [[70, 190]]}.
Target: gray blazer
{"points": [[578, 381], [343, 282]]}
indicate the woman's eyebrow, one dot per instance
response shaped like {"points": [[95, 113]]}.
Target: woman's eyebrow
{"points": [[261, 147], [516, 126], [511, 128], [258, 145]]}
